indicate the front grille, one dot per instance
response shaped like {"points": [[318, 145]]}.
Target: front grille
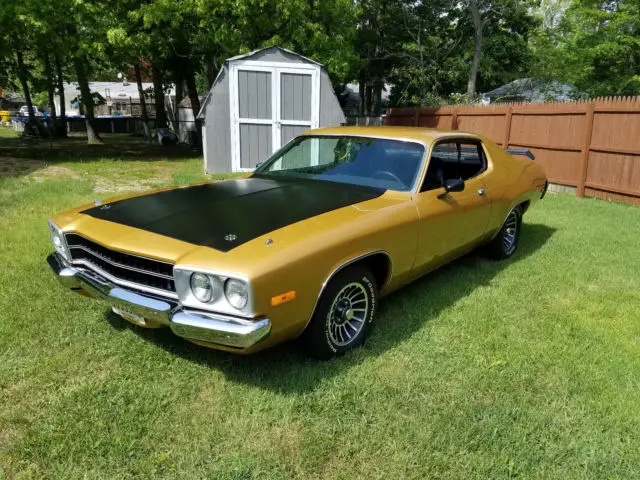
{"points": [[122, 266]]}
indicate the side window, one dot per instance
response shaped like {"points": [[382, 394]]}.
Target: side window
{"points": [[442, 165], [451, 160], [471, 160]]}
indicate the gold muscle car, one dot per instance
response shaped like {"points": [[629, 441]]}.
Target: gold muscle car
{"points": [[307, 244]]}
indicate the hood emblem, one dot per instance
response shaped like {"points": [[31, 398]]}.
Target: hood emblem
{"points": [[230, 237]]}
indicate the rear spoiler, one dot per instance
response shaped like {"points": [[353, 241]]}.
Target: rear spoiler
{"points": [[520, 151]]}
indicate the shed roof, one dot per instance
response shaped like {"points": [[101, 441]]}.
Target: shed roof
{"points": [[14, 97], [247, 56], [251, 56], [113, 90]]}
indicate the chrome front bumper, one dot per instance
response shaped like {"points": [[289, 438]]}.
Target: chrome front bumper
{"points": [[195, 325]]}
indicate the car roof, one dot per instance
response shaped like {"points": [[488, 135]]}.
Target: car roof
{"points": [[420, 134]]}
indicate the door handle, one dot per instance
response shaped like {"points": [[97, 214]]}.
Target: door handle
{"points": [[481, 191]]}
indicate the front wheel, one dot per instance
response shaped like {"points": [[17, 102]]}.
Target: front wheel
{"points": [[506, 241], [344, 315]]}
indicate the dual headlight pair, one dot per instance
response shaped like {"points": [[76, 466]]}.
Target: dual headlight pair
{"points": [[209, 288], [213, 290]]}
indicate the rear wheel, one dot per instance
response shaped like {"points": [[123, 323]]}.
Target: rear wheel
{"points": [[344, 315], [506, 241]]}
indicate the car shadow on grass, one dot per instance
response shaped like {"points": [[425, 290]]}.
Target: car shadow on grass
{"points": [[286, 369]]}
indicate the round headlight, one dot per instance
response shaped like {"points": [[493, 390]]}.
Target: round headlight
{"points": [[202, 287], [237, 293]]}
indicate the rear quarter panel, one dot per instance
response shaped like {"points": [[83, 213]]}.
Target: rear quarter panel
{"points": [[513, 180]]}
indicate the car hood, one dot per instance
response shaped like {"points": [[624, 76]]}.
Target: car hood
{"points": [[225, 215]]}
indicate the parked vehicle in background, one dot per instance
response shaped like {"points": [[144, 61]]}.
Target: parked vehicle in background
{"points": [[305, 245], [24, 111]]}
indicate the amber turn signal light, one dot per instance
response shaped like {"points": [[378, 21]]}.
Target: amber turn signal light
{"points": [[283, 298]]}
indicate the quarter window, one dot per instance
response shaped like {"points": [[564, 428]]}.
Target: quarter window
{"points": [[452, 160]]}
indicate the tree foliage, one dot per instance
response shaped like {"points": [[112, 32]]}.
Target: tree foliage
{"points": [[430, 51], [596, 46]]}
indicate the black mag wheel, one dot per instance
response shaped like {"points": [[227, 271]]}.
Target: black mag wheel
{"points": [[344, 314], [511, 231], [506, 241]]}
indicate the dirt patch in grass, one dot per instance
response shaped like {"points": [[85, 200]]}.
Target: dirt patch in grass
{"points": [[104, 185], [52, 171], [134, 180]]}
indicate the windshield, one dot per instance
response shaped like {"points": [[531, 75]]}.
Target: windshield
{"points": [[372, 162]]}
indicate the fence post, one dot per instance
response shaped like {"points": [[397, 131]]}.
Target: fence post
{"points": [[454, 119], [416, 117], [507, 128], [584, 164]]}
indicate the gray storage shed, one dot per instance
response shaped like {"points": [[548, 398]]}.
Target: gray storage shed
{"points": [[259, 102]]}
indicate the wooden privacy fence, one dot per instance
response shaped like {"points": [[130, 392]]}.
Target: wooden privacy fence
{"points": [[591, 145]]}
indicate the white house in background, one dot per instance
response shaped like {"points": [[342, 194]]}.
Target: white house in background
{"points": [[120, 98], [350, 98]]}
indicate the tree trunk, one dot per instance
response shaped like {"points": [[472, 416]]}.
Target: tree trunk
{"points": [[22, 75], [212, 70], [143, 103], [477, 48], [179, 97], [376, 97], [158, 96], [87, 101], [60, 80], [51, 91], [179, 90], [368, 91], [193, 92], [195, 104], [361, 85]]}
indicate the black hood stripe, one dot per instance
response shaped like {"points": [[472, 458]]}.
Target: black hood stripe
{"points": [[226, 214]]}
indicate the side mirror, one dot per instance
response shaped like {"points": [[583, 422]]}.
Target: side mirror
{"points": [[453, 185]]}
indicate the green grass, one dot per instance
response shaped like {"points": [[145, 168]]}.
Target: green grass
{"points": [[7, 132], [526, 368]]}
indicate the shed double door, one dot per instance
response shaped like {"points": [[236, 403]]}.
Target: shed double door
{"points": [[270, 105]]}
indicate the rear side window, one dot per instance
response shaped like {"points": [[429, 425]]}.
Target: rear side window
{"points": [[471, 160], [452, 160]]}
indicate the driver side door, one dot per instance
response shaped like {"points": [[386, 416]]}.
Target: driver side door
{"points": [[452, 223]]}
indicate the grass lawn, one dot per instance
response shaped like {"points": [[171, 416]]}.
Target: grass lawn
{"points": [[526, 368]]}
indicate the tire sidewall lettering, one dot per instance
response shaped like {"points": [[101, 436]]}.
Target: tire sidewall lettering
{"points": [[372, 297]]}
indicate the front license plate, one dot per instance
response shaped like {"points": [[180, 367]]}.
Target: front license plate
{"points": [[132, 317]]}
